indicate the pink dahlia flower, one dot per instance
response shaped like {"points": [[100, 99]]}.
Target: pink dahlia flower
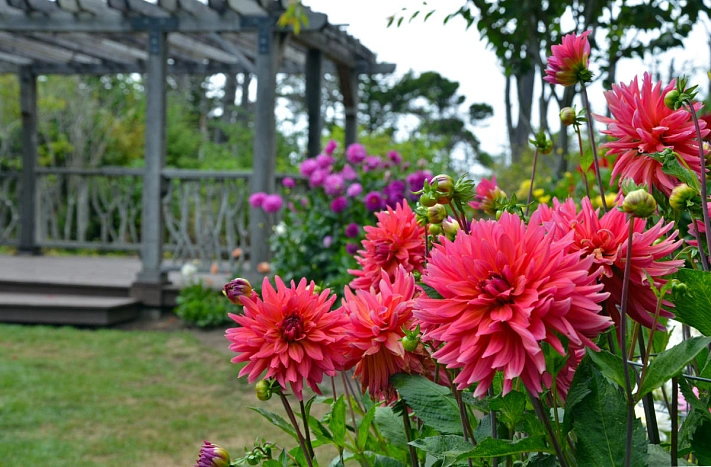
{"points": [[308, 167], [272, 203], [290, 334], [605, 241], [257, 199], [641, 124], [396, 240], [355, 153], [487, 195], [507, 288], [569, 63], [212, 455], [376, 330], [330, 147]]}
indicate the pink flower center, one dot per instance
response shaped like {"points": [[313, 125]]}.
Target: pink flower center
{"points": [[292, 328], [497, 287], [383, 252]]}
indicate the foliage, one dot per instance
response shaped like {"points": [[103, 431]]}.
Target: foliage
{"points": [[204, 307]]}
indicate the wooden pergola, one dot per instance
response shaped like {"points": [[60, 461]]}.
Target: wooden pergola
{"points": [[176, 37]]}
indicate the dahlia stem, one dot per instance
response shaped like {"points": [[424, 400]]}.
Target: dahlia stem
{"points": [[582, 154], [464, 215], [648, 400], [648, 352], [292, 418], [702, 166], [586, 103], [350, 402], [306, 428], [533, 176], [408, 435], [538, 407], [702, 255], [623, 344], [494, 434], [675, 421], [333, 388]]}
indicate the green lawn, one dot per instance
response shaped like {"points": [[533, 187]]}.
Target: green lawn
{"points": [[71, 397]]}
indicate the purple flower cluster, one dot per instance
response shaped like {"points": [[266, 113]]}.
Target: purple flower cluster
{"points": [[269, 203], [415, 182]]}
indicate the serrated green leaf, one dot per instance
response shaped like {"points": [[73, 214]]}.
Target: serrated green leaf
{"points": [[691, 398], [701, 442], [384, 461], [390, 426], [670, 363], [609, 365], [364, 428], [430, 291], [542, 460], [672, 166], [491, 447], [511, 408], [447, 447], [432, 403], [660, 456], [338, 422], [319, 430], [277, 421], [600, 420], [692, 307]]}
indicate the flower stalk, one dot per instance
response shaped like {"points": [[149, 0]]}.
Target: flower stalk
{"points": [[582, 154], [292, 419], [623, 344], [586, 103], [540, 412], [533, 176], [702, 179]]}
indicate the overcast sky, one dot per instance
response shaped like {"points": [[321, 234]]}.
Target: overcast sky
{"points": [[462, 56]]}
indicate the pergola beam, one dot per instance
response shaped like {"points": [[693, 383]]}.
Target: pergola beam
{"points": [[313, 76]]}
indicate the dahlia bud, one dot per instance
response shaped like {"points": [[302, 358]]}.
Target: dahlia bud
{"points": [[679, 289], [445, 188], [681, 196], [450, 228], [263, 390], [212, 455], [236, 288], [435, 229], [567, 116], [543, 144], [671, 98], [639, 203], [436, 214], [417, 275], [427, 200]]}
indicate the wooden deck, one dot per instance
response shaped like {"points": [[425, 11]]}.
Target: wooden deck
{"points": [[79, 289]]}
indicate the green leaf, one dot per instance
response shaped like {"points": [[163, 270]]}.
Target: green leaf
{"points": [[277, 421], [447, 447], [599, 421], [670, 363], [338, 422], [672, 166], [390, 426], [586, 161], [511, 408], [691, 398], [542, 460], [609, 364], [490, 447], [430, 291], [384, 461], [364, 428], [692, 308], [320, 432], [660, 456], [432, 403], [701, 442]]}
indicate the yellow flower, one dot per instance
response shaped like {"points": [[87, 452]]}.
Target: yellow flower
{"points": [[609, 200], [538, 192]]}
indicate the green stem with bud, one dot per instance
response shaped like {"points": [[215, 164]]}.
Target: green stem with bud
{"points": [[586, 103], [582, 155], [533, 176], [292, 418], [702, 166], [623, 343], [306, 428]]}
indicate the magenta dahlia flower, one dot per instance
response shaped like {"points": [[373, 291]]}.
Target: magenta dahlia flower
{"points": [[605, 241], [396, 240], [507, 288], [272, 203], [257, 199], [333, 185], [212, 455], [356, 153], [376, 330], [641, 124], [308, 167], [487, 195], [290, 334], [330, 147], [339, 204], [569, 63]]}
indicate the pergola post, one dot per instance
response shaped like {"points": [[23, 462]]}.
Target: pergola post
{"points": [[150, 280], [28, 194], [349, 89], [314, 73], [270, 47]]}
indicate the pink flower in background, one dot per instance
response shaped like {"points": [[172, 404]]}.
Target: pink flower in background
{"points": [[324, 161], [507, 288], [354, 190], [257, 199], [352, 248], [394, 192], [372, 163], [397, 240], [352, 230], [317, 178], [290, 335], [374, 201], [308, 167], [355, 153], [288, 182], [348, 173], [604, 240], [330, 147], [487, 193], [569, 63], [333, 185], [377, 322], [339, 204], [272, 203], [395, 157], [641, 124], [327, 241], [416, 181]]}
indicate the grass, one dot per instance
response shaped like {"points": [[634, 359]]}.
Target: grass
{"points": [[72, 397]]}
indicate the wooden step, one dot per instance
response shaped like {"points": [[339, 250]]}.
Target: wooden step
{"points": [[63, 288], [66, 309]]}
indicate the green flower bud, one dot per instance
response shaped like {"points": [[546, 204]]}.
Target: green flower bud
{"points": [[445, 188], [567, 116], [435, 229], [679, 289], [639, 203], [263, 389], [450, 228], [427, 200], [681, 195], [671, 99], [417, 275], [436, 214]]}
